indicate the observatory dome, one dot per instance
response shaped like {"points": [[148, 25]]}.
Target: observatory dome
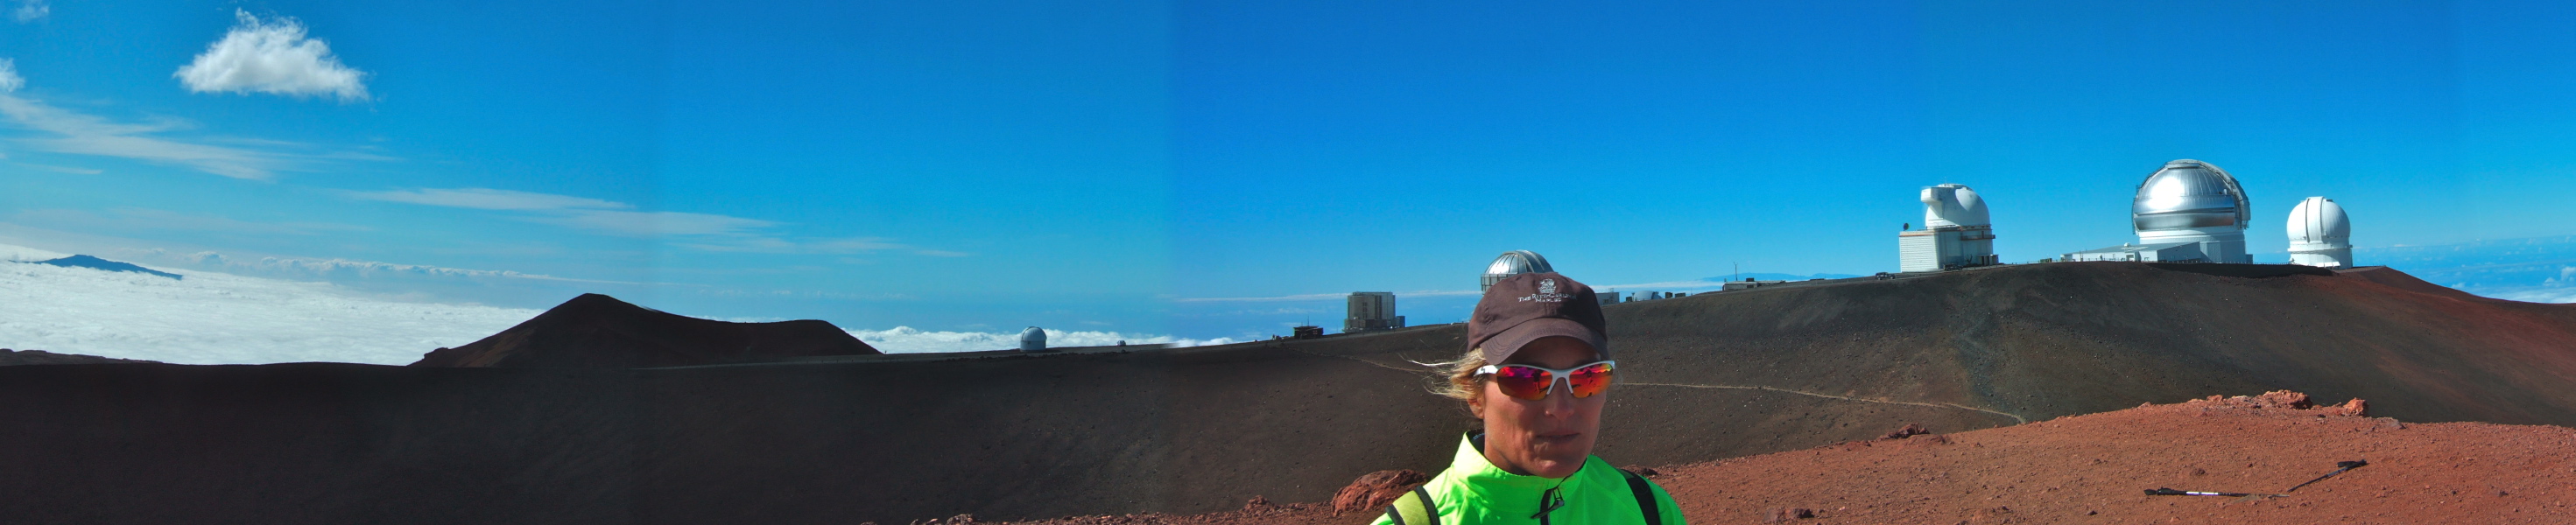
{"points": [[2320, 234], [2189, 194], [2318, 220], [1512, 263], [1953, 205], [1033, 339], [2193, 202]]}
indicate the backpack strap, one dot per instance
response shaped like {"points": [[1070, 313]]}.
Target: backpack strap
{"points": [[1414, 508], [1645, 493]]}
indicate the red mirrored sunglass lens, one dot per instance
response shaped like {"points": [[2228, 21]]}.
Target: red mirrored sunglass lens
{"points": [[1533, 384], [1586, 381], [1524, 383]]}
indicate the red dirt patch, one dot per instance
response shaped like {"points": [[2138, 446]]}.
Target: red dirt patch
{"points": [[2097, 468]]}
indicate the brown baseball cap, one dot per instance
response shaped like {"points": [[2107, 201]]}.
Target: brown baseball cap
{"points": [[1529, 306]]}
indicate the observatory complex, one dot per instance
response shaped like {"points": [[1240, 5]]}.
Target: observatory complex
{"points": [[1512, 263], [2189, 211], [2320, 234], [1955, 234]]}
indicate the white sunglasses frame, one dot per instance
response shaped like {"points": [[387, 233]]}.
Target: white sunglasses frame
{"points": [[1554, 376]]}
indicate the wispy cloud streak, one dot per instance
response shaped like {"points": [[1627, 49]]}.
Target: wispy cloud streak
{"points": [[700, 231]]}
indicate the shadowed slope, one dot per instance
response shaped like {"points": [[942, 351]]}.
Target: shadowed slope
{"points": [[598, 331]]}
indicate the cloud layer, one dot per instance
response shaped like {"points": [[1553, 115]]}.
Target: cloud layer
{"points": [[82, 134], [275, 57], [904, 340], [216, 318]]}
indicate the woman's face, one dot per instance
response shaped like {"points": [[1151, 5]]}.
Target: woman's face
{"points": [[1547, 438]]}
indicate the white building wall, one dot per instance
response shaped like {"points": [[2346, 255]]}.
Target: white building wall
{"points": [[1919, 251]]}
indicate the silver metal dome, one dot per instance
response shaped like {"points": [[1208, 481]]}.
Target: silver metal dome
{"points": [[1033, 339], [1512, 263], [2190, 194]]}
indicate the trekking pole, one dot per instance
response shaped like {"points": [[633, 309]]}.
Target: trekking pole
{"points": [[2172, 492], [2343, 467], [2347, 465]]}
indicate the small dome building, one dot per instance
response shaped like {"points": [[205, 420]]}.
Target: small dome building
{"points": [[2320, 234], [2193, 202], [1033, 340], [1512, 263]]}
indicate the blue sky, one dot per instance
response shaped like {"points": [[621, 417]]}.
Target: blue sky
{"points": [[1215, 169]]}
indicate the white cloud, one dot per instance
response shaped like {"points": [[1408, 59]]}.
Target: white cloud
{"points": [[489, 199], [335, 267], [165, 220], [2545, 295], [82, 134], [654, 223], [31, 10], [904, 340], [64, 169], [218, 318], [9, 79], [271, 56], [701, 231]]}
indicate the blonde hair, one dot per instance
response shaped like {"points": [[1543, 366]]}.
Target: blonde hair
{"points": [[1459, 379]]}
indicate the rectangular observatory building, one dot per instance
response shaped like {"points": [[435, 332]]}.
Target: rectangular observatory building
{"points": [[1370, 312]]}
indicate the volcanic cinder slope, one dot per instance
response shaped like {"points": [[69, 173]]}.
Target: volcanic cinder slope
{"points": [[2097, 468], [598, 331], [1193, 430]]}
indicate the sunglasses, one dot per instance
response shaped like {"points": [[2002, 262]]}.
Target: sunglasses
{"points": [[1533, 383]]}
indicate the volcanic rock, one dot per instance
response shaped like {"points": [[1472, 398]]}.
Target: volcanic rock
{"points": [[1376, 490], [1909, 430], [598, 331]]}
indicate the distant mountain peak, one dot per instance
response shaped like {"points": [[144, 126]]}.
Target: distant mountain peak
{"points": [[94, 263], [598, 331]]}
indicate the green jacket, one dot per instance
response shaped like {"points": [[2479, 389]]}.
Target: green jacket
{"points": [[1475, 492]]}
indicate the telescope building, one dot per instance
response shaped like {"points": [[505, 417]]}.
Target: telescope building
{"points": [[1956, 232]]}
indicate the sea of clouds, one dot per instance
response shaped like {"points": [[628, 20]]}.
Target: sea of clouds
{"points": [[220, 318], [215, 318]]}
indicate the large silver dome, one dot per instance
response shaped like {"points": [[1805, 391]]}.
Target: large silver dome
{"points": [[2190, 194], [1512, 263]]}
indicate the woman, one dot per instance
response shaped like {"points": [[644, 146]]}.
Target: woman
{"points": [[1537, 371]]}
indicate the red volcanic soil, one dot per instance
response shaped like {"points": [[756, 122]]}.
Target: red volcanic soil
{"points": [[598, 331], [2097, 468]]}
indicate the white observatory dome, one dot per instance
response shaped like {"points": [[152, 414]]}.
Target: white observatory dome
{"points": [[2190, 201], [1953, 205], [2320, 234], [1512, 263], [1033, 340]]}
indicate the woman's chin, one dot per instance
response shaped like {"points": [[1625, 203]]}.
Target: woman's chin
{"points": [[1556, 469]]}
